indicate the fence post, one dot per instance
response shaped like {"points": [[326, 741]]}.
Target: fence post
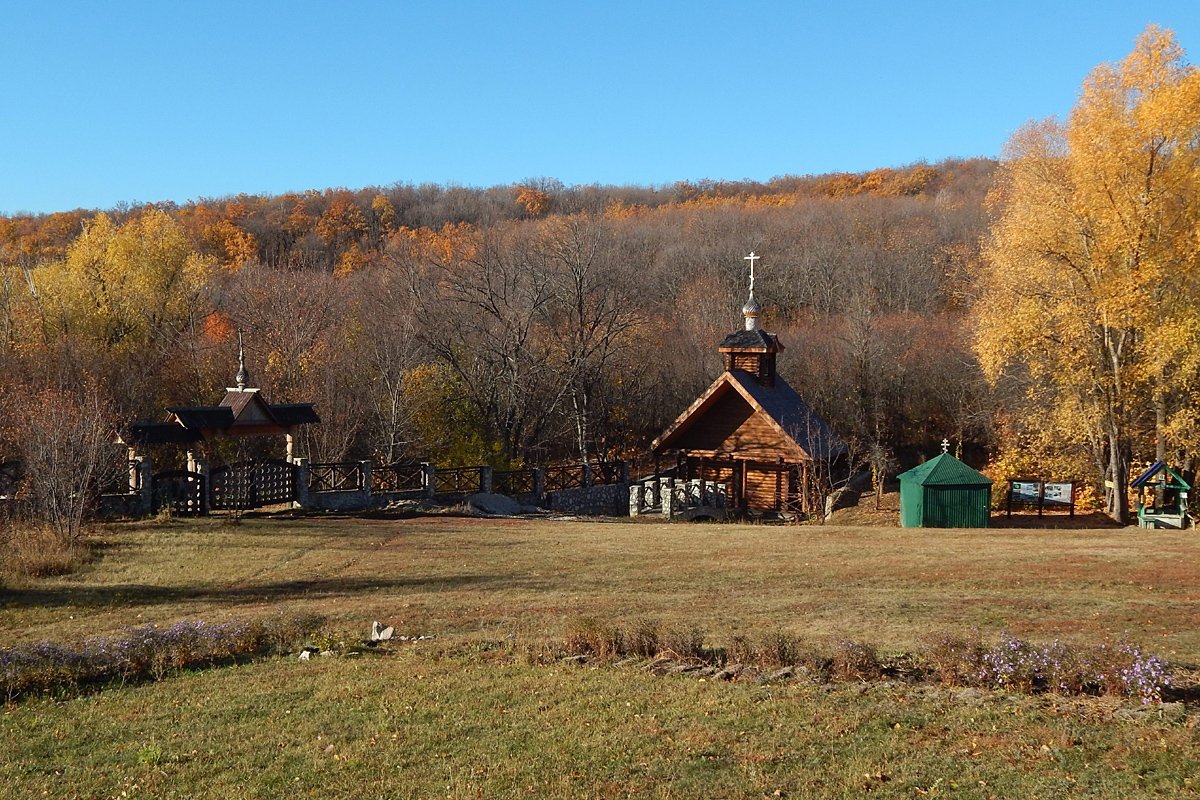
{"points": [[586, 476], [635, 500], [364, 477], [539, 484], [485, 479], [625, 472], [145, 468], [302, 475], [668, 496], [429, 479], [201, 468]]}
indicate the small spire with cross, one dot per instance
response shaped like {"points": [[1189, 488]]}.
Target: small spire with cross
{"points": [[945, 445], [751, 310], [751, 258], [243, 376]]}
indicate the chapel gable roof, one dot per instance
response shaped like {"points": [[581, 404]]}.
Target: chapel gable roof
{"points": [[802, 435]]}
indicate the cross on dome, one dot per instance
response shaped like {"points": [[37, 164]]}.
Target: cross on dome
{"points": [[751, 258], [945, 445], [752, 309]]}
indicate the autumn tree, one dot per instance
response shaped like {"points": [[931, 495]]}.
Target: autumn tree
{"points": [[120, 303], [1088, 295]]}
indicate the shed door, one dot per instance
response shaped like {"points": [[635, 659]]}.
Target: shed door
{"points": [[939, 507], [956, 506]]}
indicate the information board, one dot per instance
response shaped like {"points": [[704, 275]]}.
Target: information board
{"points": [[1057, 494], [1041, 495]]}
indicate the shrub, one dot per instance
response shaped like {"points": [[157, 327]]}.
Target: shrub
{"points": [[855, 661], [643, 639], [1012, 664], [685, 642], [778, 649], [32, 549], [145, 652], [740, 650], [65, 440], [590, 637], [1017, 665], [956, 661], [1123, 669]]}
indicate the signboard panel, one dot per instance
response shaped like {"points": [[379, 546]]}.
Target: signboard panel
{"points": [[1041, 494], [1025, 491], [1057, 494]]}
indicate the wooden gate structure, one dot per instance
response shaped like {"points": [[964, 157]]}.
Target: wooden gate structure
{"points": [[247, 485], [179, 491]]}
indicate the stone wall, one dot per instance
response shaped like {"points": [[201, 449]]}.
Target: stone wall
{"points": [[610, 500]]}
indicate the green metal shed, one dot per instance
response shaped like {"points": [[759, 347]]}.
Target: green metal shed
{"points": [[944, 493]]}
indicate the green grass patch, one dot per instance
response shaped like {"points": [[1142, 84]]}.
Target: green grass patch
{"points": [[458, 719], [423, 723]]}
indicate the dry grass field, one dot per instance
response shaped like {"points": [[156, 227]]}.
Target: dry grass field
{"points": [[451, 717], [456, 577]]}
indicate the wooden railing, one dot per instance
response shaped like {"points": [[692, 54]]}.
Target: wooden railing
{"points": [[335, 476], [567, 476], [515, 482], [397, 478], [605, 473], [461, 480]]}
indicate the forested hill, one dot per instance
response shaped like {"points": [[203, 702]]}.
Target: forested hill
{"points": [[316, 228], [512, 323]]}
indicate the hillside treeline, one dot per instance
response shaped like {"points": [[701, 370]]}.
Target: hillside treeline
{"points": [[514, 324]]}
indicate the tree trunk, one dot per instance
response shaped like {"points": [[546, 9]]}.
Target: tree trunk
{"points": [[1118, 471]]}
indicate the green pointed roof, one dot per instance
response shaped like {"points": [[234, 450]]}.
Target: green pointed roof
{"points": [[945, 470]]}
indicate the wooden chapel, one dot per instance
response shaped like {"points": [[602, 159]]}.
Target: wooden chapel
{"points": [[751, 430]]}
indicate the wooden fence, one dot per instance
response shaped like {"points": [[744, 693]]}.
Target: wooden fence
{"points": [[345, 485]]}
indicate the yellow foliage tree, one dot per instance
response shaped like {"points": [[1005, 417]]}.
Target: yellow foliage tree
{"points": [[124, 286], [1088, 287]]}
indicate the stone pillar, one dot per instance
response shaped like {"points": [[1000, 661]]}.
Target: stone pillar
{"points": [[429, 479], [667, 494], [587, 474], [485, 479], [290, 443], [539, 484], [302, 476], [364, 478], [635, 499], [134, 459], [145, 484], [664, 488]]}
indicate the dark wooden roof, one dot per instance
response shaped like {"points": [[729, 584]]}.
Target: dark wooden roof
{"points": [[294, 413], [755, 340], [197, 417], [159, 433], [799, 434], [242, 412]]}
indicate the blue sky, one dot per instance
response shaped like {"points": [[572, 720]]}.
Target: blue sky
{"points": [[148, 101]]}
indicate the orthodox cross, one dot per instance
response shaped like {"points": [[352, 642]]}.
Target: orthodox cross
{"points": [[751, 258], [945, 445]]}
